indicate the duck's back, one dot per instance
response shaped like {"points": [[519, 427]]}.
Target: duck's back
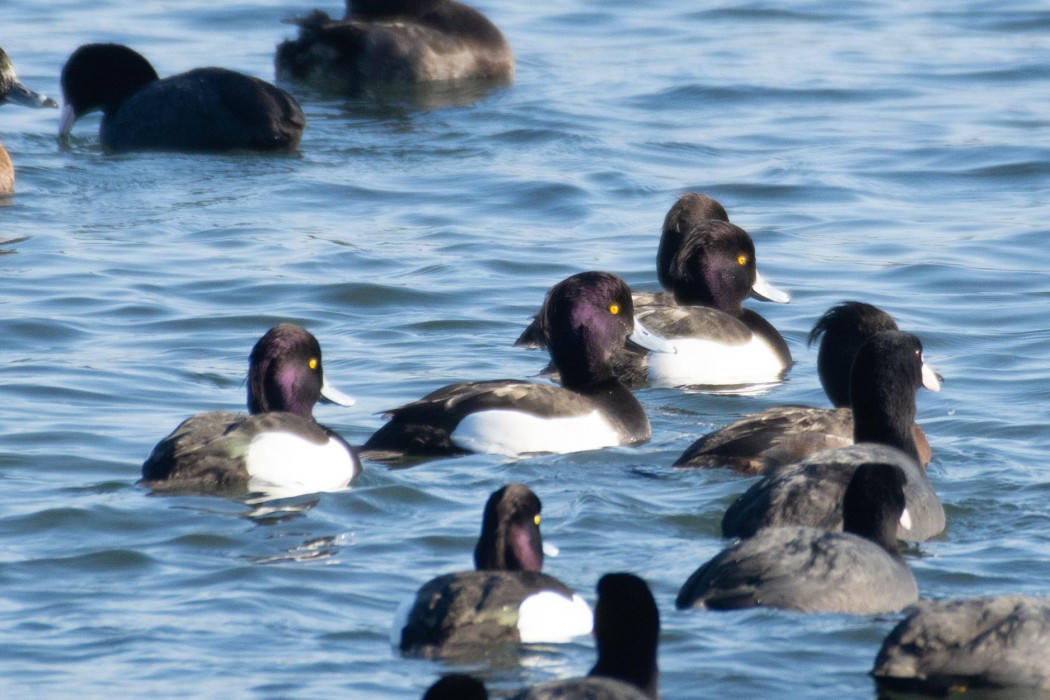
{"points": [[810, 492], [447, 41], [804, 569], [209, 450], [206, 109], [472, 609], [771, 438]]}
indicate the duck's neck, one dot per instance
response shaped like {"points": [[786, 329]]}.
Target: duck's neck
{"points": [[630, 665], [885, 418]]}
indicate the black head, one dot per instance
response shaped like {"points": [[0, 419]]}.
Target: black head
{"points": [[627, 631], [510, 532], [12, 89], [874, 503], [285, 371], [457, 686], [845, 327], [715, 266], [690, 209], [887, 372], [585, 318], [102, 76]]}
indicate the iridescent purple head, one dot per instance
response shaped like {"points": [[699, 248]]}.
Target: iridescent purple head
{"points": [[285, 372], [510, 532], [585, 317]]}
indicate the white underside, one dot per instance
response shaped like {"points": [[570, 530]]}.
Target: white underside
{"points": [[511, 433], [282, 465], [544, 617], [548, 616], [707, 363]]}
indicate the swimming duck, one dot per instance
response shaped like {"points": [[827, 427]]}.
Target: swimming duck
{"points": [[717, 341], [13, 91], [205, 109], [586, 317], [278, 449], [942, 646], [887, 373], [786, 434], [857, 571], [506, 599], [626, 632], [396, 41]]}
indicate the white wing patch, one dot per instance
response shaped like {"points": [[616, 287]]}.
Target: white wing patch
{"points": [[709, 363], [511, 433], [549, 616], [282, 465]]}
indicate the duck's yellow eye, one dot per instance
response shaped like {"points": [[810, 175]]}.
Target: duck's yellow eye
{"points": [[313, 363], [742, 259], [614, 309], [536, 520]]}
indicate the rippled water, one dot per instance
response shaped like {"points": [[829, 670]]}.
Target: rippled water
{"points": [[894, 152]]}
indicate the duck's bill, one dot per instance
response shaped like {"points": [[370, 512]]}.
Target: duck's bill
{"points": [[905, 520], [65, 121], [331, 394], [20, 94], [645, 338], [930, 379], [764, 291]]}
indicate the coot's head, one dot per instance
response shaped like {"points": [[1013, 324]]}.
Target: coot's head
{"points": [[844, 327], [874, 504], [101, 77]]}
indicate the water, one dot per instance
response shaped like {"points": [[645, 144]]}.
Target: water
{"points": [[892, 152]]}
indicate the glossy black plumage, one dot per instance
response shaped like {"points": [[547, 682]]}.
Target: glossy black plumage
{"points": [[584, 331], [856, 571], [886, 375], [205, 109]]}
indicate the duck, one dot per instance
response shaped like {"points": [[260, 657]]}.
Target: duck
{"points": [[689, 209], [947, 646], [717, 342], [506, 599], [887, 373], [627, 634], [785, 434], [13, 91], [586, 317], [395, 42], [857, 571], [278, 449], [201, 110]]}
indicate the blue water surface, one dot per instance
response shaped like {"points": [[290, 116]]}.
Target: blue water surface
{"points": [[894, 152]]}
